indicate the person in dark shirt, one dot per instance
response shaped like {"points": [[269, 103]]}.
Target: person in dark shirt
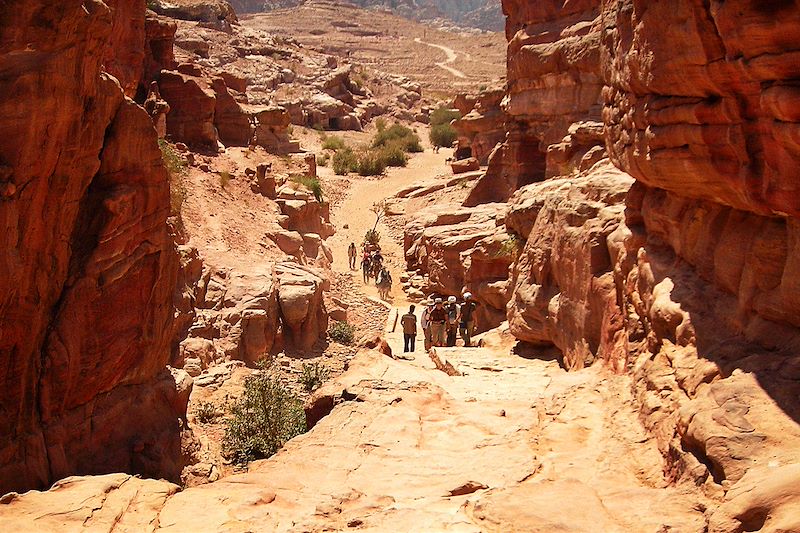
{"points": [[438, 321], [409, 322], [467, 326]]}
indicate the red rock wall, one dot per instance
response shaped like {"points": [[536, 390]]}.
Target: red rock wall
{"points": [[87, 267], [688, 281]]}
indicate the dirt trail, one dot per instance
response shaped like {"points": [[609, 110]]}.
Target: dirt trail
{"points": [[451, 58]]}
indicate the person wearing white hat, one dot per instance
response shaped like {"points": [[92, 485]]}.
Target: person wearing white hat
{"points": [[467, 326]]}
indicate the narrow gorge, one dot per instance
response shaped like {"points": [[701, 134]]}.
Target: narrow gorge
{"points": [[179, 185]]}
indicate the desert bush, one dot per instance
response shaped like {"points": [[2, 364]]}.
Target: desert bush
{"points": [[334, 143], [207, 412], [372, 236], [263, 419], [323, 159], [444, 115], [443, 135], [342, 332], [398, 135], [177, 168], [313, 376], [370, 163], [344, 161], [393, 155], [312, 184]]}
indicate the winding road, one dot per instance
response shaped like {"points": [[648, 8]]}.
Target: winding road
{"points": [[451, 58]]}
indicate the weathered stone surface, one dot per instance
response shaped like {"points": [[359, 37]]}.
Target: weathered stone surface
{"points": [[87, 263], [301, 303], [481, 127], [124, 55], [563, 288], [232, 122], [707, 109], [192, 106]]}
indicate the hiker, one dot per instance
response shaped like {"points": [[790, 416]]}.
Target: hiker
{"points": [[425, 322], [351, 254], [366, 265], [452, 321], [467, 326], [409, 322], [384, 283], [438, 319]]}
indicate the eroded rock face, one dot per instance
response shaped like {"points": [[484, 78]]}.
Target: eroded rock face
{"points": [[87, 263], [709, 109], [481, 127], [685, 282]]}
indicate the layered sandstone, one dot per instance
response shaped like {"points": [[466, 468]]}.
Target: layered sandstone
{"points": [[684, 281], [88, 267]]}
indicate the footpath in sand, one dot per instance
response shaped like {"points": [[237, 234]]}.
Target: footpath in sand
{"points": [[507, 443]]}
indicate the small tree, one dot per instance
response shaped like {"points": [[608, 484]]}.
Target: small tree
{"points": [[263, 419]]}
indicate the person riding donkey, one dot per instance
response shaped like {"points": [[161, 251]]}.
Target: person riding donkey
{"points": [[366, 266]]}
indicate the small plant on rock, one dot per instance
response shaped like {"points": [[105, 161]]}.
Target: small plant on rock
{"points": [[342, 332], [313, 376], [510, 246], [312, 184], [177, 168], [207, 412], [263, 419]]}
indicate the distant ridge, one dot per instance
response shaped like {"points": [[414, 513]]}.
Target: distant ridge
{"points": [[482, 14]]}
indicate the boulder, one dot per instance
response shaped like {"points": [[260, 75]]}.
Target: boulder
{"points": [[302, 307]]}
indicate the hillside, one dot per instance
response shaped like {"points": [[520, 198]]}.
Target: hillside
{"points": [[482, 14]]}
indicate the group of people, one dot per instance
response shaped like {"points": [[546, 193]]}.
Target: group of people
{"points": [[372, 267], [441, 322]]}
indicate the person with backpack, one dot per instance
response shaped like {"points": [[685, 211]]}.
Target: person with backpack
{"points": [[409, 323], [467, 325], [453, 312]]}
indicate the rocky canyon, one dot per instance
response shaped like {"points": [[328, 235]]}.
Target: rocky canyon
{"points": [[619, 200]]}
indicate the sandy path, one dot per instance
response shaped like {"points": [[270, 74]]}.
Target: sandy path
{"points": [[451, 58], [354, 212]]}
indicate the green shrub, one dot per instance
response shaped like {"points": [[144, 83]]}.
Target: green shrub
{"points": [[380, 123], [313, 376], [177, 168], [207, 412], [312, 184], [443, 135], [263, 419], [322, 160], [393, 155], [444, 115], [342, 332], [344, 161], [370, 163], [372, 236], [397, 134], [334, 143]]}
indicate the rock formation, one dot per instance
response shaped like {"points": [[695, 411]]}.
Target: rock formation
{"points": [[88, 267]]}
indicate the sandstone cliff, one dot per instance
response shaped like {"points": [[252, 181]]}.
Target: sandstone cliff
{"points": [[686, 280], [87, 266]]}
